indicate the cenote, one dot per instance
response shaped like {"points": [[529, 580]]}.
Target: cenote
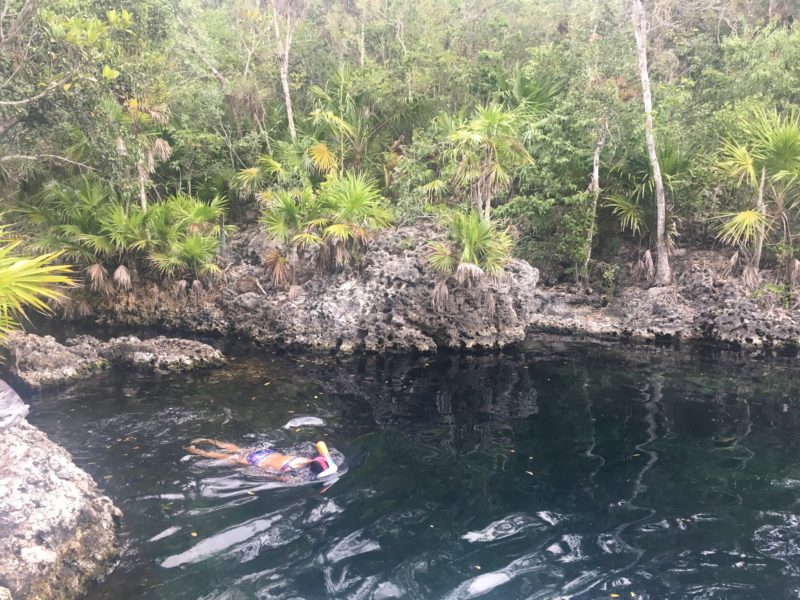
{"points": [[563, 472]]}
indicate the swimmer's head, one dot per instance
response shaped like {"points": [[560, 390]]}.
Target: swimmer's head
{"points": [[318, 465]]}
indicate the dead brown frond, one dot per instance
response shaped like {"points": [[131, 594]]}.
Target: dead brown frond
{"points": [[122, 278], [159, 113], [751, 278], [295, 291], [68, 307], [179, 288], [84, 309], [280, 269], [643, 269], [440, 298], [734, 260], [162, 150], [97, 276], [198, 291], [468, 273]]}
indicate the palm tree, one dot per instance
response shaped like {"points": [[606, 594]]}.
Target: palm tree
{"points": [[485, 149], [476, 249], [633, 198], [28, 282], [765, 159], [339, 220]]}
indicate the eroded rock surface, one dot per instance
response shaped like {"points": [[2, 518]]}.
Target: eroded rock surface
{"points": [[41, 361], [381, 304], [702, 305], [57, 532]]}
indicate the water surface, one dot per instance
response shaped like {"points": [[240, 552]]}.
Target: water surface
{"points": [[562, 472]]}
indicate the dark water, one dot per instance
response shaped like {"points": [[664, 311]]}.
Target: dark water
{"points": [[580, 472]]}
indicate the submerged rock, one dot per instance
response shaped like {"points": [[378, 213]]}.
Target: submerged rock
{"points": [[57, 532], [42, 362]]}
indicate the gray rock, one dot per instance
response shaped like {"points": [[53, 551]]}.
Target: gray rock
{"points": [[57, 532], [162, 354], [382, 304], [42, 362]]}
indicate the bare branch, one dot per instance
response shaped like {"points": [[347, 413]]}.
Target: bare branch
{"points": [[11, 157], [46, 92]]}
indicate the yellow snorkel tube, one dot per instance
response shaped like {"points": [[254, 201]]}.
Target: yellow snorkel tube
{"points": [[322, 448]]}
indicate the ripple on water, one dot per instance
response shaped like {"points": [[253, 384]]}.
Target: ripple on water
{"points": [[348, 546], [244, 541], [780, 540], [504, 528]]}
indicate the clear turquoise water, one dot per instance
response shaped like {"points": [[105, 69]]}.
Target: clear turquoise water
{"points": [[564, 472]]}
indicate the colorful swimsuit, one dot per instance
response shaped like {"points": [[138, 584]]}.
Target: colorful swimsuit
{"points": [[257, 456]]}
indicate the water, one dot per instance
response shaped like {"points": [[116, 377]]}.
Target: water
{"points": [[565, 472]]}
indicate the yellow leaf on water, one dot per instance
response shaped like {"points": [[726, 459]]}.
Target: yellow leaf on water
{"points": [[108, 477], [251, 493], [615, 595], [194, 534], [477, 567], [529, 473]]}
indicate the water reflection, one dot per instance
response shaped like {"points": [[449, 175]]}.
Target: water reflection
{"points": [[577, 472]]}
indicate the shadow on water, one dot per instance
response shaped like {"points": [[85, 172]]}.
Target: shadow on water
{"points": [[566, 471]]}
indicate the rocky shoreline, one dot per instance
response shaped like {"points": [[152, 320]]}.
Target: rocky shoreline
{"points": [[58, 533], [383, 305], [41, 362]]}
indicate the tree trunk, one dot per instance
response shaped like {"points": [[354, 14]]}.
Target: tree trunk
{"points": [[763, 210], [142, 187], [283, 43], [663, 273], [283, 67], [594, 187]]}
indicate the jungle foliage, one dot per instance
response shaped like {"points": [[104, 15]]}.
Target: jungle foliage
{"points": [[129, 130]]}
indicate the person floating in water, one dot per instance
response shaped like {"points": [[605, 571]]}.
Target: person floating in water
{"points": [[321, 465]]}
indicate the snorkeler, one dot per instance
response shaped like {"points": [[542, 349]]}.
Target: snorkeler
{"points": [[321, 465]]}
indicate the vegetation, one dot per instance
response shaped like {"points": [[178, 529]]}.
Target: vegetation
{"points": [[130, 134], [27, 282], [336, 221], [476, 249]]}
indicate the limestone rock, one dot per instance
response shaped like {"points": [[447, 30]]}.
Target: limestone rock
{"points": [[57, 531], [381, 304], [162, 354], [41, 362]]}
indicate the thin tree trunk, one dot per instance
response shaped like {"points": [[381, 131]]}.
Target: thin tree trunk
{"points": [[142, 187], [362, 45], [283, 45], [762, 210], [663, 272], [594, 187]]}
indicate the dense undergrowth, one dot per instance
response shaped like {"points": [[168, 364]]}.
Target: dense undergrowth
{"points": [[134, 135]]}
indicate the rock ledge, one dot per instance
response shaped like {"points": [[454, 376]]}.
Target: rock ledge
{"points": [[41, 362], [57, 532]]}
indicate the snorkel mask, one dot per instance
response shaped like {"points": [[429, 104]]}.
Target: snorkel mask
{"points": [[324, 454]]}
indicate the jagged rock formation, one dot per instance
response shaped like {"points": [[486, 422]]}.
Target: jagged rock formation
{"points": [[382, 304], [41, 362], [57, 532]]}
